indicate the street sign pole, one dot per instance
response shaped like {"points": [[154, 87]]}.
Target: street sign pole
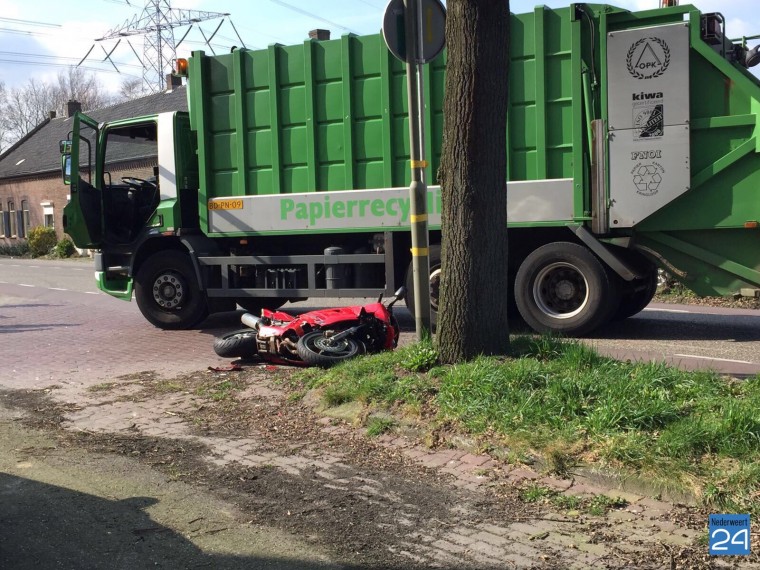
{"points": [[418, 188], [414, 32]]}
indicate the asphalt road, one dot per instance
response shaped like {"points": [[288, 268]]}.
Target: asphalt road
{"points": [[59, 328]]}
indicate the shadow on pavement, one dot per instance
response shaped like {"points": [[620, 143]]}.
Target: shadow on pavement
{"points": [[46, 526]]}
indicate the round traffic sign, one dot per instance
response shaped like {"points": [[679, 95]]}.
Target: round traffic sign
{"points": [[430, 34]]}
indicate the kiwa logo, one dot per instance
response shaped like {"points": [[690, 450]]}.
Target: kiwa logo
{"points": [[648, 58]]}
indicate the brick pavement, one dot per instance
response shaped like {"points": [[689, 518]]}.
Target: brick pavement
{"points": [[462, 543], [56, 348]]}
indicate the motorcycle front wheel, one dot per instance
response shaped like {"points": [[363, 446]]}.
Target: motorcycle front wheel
{"points": [[316, 349], [236, 344]]}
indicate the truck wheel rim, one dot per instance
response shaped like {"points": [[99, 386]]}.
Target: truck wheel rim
{"points": [[560, 291], [435, 287], [168, 290]]}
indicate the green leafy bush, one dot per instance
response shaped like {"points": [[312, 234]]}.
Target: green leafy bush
{"points": [[65, 248], [421, 357], [41, 240], [19, 249]]}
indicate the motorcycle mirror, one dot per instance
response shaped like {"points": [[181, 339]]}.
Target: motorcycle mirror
{"points": [[400, 293]]}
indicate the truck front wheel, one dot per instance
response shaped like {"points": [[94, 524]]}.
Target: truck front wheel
{"points": [[167, 291], [563, 288]]}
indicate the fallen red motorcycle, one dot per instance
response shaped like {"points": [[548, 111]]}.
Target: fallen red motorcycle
{"points": [[318, 338]]}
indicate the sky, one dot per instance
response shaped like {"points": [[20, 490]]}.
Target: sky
{"points": [[40, 38]]}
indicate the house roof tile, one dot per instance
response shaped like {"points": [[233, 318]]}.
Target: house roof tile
{"points": [[37, 153]]}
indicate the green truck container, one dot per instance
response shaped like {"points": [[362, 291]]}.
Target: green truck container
{"points": [[633, 145]]}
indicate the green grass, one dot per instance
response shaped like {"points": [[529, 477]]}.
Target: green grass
{"points": [[379, 425], [103, 387], [696, 430], [221, 391], [597, 505]]}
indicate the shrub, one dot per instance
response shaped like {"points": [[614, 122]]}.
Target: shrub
{"points": [[41, 240], [65, 248], [19, 249]]}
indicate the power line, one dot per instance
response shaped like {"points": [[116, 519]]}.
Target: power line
{"points": [[59, 57], [46, 64], [23, 32], [29, 22], [311, 15]]}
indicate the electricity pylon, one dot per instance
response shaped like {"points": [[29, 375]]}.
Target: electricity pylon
{"points": [[157, 23]]}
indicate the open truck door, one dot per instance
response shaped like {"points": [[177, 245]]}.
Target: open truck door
{"points": [[83, 215]]}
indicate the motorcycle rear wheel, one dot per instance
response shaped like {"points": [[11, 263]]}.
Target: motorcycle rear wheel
{"points": [[316, 349], [236, 344]]}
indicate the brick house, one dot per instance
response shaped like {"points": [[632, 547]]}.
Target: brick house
{"points": [[32, 192]]}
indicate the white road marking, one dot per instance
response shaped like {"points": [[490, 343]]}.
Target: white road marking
{"points": [[93, 292], [57, 289], [24, 285], [666, 310], [713, 358]]}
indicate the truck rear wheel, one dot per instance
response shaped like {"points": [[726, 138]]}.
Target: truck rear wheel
{"points": [[563, 288], [254, 305], [167, 291], [434, 257], [639, 295]]}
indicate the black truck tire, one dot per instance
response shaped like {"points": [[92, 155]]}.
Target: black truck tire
{"points": [[236, 344], [434, 257], [639, 295], [167, 291], [254, 305], [563, 288]]}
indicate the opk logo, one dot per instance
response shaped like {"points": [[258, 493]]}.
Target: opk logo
{"points": [[648, 58]]}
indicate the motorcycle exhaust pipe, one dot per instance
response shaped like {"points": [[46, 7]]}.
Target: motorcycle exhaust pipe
{"points": [[250, 320]]}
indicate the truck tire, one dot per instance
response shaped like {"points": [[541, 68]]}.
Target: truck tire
{"points": [[254, 305], [167, 291], [640, 294], [434, 257], [236, 344], [564, 288]]}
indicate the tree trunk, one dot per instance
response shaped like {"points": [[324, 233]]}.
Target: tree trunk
{"points": [[473, 173]]}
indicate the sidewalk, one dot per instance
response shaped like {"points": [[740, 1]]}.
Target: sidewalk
{"points": [[392, 496]]}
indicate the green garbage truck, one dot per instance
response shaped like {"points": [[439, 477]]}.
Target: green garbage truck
{"points": [[633, 145]]}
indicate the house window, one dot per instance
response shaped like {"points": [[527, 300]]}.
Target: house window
{"points": [[48, 217], [24, 220], [11, 219]]}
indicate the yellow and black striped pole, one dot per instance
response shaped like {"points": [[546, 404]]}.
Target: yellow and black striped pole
{"points": [[418, 188]]}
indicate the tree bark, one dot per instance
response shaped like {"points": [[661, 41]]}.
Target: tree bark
{"points": [[473, 173]]}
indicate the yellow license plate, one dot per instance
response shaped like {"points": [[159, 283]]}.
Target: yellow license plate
{"points": [[225, 204]]}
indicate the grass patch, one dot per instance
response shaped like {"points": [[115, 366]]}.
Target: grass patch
{"points": [[103, 387], [168, 386], [693, 429], [221, 391], [379, 425], [597, 505]]}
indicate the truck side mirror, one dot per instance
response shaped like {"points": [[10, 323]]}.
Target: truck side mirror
{"points": [[65, 148], [66, 168]]}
